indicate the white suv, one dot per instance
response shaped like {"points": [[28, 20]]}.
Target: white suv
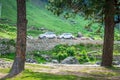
{"points": [[49, 35], [66, 36]]}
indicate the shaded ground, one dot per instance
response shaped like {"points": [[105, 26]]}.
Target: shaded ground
{"points": [[94, 71]]}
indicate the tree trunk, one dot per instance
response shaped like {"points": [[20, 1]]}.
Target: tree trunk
{"points": [[19, 61], [109, 34]]}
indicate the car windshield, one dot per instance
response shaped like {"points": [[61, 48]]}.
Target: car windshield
{"points": [[49, 33], [67, 34]]}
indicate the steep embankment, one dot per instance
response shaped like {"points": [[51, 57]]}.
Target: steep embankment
{"points": [[39, 17]]}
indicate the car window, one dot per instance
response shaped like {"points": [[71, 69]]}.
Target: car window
{"points": [[67, 34], [49, 33]]}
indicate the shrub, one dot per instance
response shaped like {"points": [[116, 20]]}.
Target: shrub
{"points": [[60, 55], [71, 51]]}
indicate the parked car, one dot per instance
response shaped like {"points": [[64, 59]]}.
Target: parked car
{"points": [[66, 36], [49, 35]]}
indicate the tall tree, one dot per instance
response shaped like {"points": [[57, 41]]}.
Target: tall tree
{"points": [[109, 33], [19, 61], [92, 9]]}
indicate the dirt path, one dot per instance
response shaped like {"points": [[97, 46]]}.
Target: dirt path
{"points": [[2, 75]]}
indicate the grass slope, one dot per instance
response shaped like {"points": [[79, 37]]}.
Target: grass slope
{"points": [[38, 17], [7, 31]]}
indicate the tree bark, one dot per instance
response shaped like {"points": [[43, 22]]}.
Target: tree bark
{"points": [[107, 55], [19, 61]]}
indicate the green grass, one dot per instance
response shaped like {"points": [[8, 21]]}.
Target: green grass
{"points": [[93, 73], [9, 10], [31, 72], [38, 17], [9, 56], [30, 75], [5, 70], [7, 31]]}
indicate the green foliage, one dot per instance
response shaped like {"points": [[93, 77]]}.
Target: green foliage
{"points": [[12, 42], [7, 31], [8, 42], [9, 56], [61, 55], [89, 9], [80, 51], [83, 52], [117, 35], [39, 17], [117, 49], [39, 59], [36, 55], [71, 51], [60, 48], [83, 57]]}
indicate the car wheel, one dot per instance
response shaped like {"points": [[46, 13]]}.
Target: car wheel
{"points": [[62, 38], [71, 37], [54, 37], [43, 37]]}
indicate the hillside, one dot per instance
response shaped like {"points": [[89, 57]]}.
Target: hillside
{"points": [[39, 17]]}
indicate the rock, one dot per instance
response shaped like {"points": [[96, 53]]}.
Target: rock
{"points": [[5, 64], [79, 34], [115, 62], [73, 22], [70, 60], [4, 49], [29, 37], [98, 63], [6, 45], [55, 61], [30, 60], [12, 49], [46, 57]]}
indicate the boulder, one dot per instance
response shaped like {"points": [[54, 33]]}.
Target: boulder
{"points": [[115, 62], [5, 64], [79, 35], [55, 61], [29, 37], [6, 46], [70, 60], [46, 57], [98, 63], [29, 60]]}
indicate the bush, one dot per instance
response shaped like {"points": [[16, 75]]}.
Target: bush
{"points": [[80, 51], [61, 56], [71, 51], [84, 56]]}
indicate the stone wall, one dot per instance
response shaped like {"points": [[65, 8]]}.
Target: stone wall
{"points": [[47, 44]]}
